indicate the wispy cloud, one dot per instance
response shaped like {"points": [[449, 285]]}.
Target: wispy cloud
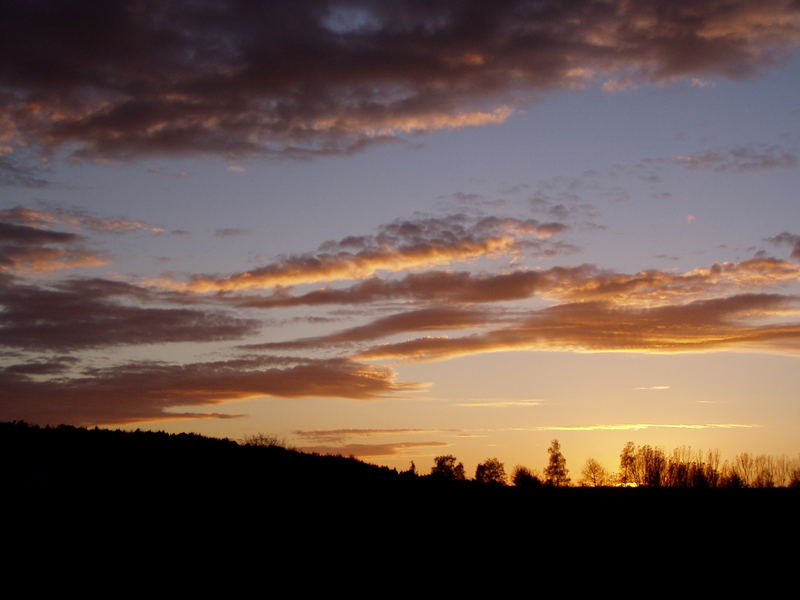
{"points": [[387, 449], [499, 403], [733, 322], [339, 435], [742, 160], [789, 239], [398, 246], [74, 217], [639, 427]]}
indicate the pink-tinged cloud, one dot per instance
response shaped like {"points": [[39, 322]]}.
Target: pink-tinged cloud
{"points": [[747, 322], [153, 391], [427, 319], [388, 449], [24, 249], [399, 246], [329, 436], [76, 218], [296, 78]]}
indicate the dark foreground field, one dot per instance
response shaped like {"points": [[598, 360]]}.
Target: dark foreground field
{"points": [[73, 477]]}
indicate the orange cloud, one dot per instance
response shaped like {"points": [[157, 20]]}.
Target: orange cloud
{"points": [[76, 218], [399, 246]]}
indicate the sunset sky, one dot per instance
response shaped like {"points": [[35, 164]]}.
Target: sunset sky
{"points": [[404, 229]]}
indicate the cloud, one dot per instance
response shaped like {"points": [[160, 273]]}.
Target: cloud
{"points": [[388, 449], [701, 83], [494, 403], [741, 160], [230, 232], [641, 426], [743, 322], [432, 287], [74, 217], [289, 79], [24, 248], [417, 320], [54, 365], [787, 238], [94, 313], [339, 435], [151, 391], [584, 282], [653, 388], [398, 246], [13, 174]]}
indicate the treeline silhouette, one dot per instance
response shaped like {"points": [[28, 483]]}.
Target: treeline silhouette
{"points": [[57, 473], [67, 457], [640, 466]]}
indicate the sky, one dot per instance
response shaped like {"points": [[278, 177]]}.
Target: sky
{"points": [[402, 229]]}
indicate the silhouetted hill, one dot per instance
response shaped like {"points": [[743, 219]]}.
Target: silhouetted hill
{"points": [[60, 472]]}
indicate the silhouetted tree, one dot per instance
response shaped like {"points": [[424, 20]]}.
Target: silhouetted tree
{"points": [[556, 471], [594, 474], [627, 464], [445, 467], [523, 477], [491, 471], [650, 465]]}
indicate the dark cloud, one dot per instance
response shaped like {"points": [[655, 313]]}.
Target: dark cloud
{"points": [[89, 313], [55, 365], [24, 248], [789, 239], [149, 391], [306, 78]]}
